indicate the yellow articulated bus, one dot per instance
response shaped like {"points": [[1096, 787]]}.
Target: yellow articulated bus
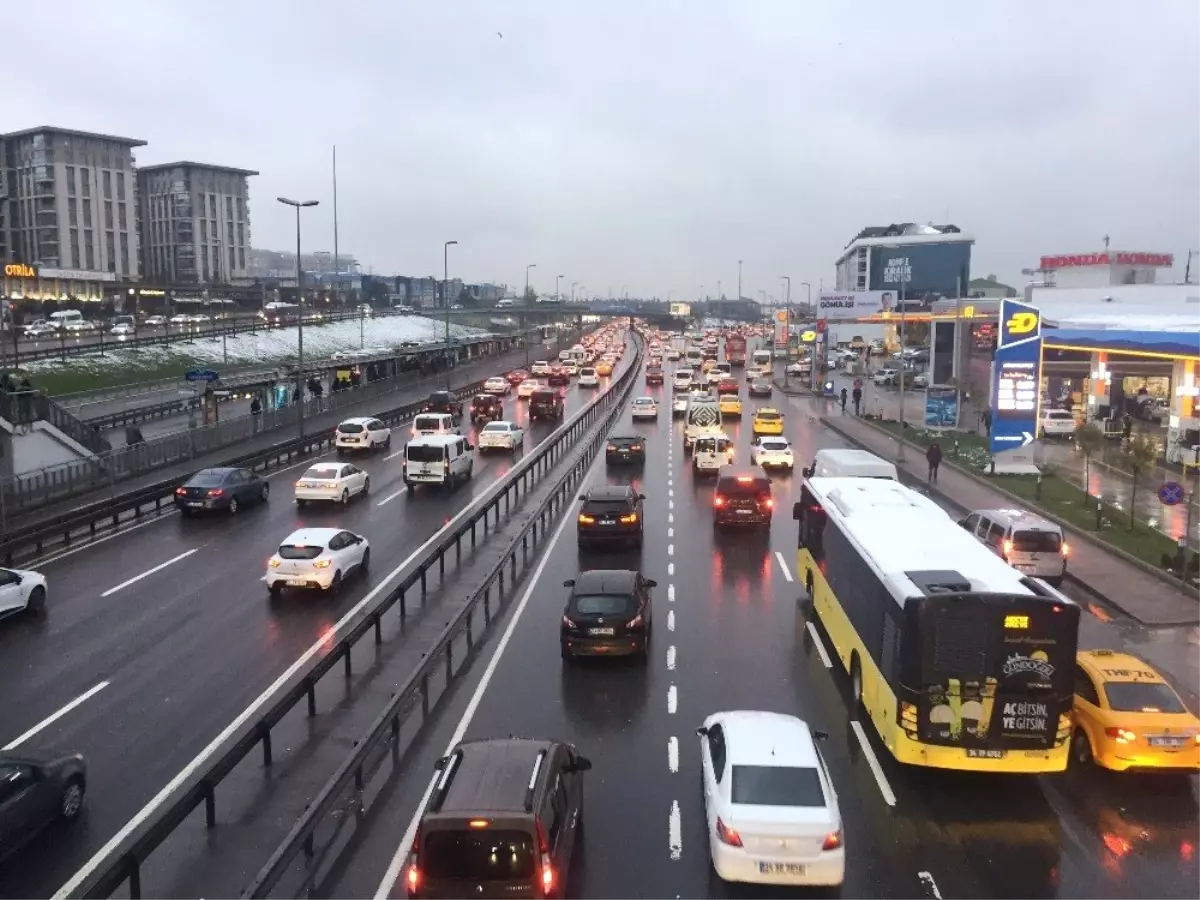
{"points": [[958, 660]]}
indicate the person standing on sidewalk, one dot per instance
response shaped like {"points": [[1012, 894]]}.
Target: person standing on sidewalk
{"points": [[256, 413], [843, 401], [857, 395], [985, 419], [934, 457]]}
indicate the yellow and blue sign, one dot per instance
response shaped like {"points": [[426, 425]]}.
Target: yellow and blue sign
{"points": [[1016, 377]]}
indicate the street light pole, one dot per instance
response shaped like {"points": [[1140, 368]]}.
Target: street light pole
{"points": [[557, 280], [573, 283], [525, 298], [446, 300], [739, 296], [299, 205], [787, 319]]}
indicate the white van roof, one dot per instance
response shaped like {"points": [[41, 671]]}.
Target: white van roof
{"points": [[434, 440], [839, 463]]}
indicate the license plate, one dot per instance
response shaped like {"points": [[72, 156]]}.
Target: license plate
{"points": [[743, 512], [296, 582], [767, 868], [608, 521], [195, 503], [976, 753], [1167, 742], [602, 632]]}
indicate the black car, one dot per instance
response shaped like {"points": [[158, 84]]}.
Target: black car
{"points": [[742, 497], [221, 489], [610, 513], [625, 450], [558, 377], [36, 792], [486, 408], [607, 614], [760, 387], [546, 405], [654, 375], [444, 402]]}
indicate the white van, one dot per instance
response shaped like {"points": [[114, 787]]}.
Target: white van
{"points": [[69, 320], [711, 452], [703, 419], [835, 463], [1027, 542], [433, 423], [444, 459]]}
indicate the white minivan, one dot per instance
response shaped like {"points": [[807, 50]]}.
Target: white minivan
{"points": [[838, 463], [1029, 543], [444, 459]]}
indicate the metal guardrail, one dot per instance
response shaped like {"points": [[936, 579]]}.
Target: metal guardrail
{"points": [[139, 839]]}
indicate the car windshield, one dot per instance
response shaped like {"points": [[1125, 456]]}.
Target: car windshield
{"points": [[762, 385], [321, 473], [768, 416], [775, 446], [441, 397], [1142, 696], [478, 856], [207, 478], [603, 604], [607, 507], [587, 371], [748, 488], [777, 786], [643, 401], [1036, 541], [427, 423], [299, 551], [496, 426], [351, 427]]}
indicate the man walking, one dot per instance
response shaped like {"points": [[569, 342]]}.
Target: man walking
{"points": [[934, 457]]}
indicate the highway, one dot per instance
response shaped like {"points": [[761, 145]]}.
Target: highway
{"points": [[727, 635], [156, 639]]}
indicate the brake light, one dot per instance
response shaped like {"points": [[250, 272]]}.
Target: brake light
{"points": [[629, 519], [414, 878], [1008, 548], [635, 622], [547, 879], [833, 840], [746, 479], [718, 500], [1121, 735], [568, 622], [728, 835], [478, 823], [768, 502], [216, 492], [587, 520], [180, 491], [1066, 549]]}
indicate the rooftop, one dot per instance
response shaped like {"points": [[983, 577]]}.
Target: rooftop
{"points": [[71, 132], [188, 164]]}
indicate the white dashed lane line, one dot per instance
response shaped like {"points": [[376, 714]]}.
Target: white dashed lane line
{"points": [[675, 832], [816, 639], [54, 717], [149, 572], [783, 565], [873, 762], [931, 888], [670, 593], [671, 620], [671, 654], [672, 700], [390, 497], [673, 754]]}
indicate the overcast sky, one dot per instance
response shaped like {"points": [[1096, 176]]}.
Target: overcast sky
{"points": [[646, 143]]}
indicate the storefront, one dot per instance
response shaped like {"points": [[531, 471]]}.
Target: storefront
{"points": [[25, 285]]}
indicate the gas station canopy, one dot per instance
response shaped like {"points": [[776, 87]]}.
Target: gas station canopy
{"points": [[1165, 344]]}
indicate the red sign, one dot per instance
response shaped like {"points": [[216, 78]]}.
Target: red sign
{"points": [[1121, 258]]}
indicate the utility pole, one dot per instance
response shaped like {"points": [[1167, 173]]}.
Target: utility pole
{"points": [[299, 205], [787, 320], [446, 300], [525, 297], [337, 282]]}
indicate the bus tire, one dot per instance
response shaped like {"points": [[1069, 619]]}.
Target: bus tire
{"points": [[856, 683]]}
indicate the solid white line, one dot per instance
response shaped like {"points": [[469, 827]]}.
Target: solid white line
{"points": [[783, 565], [672, 700], [673, 754], [884, 788], [670, 593], [149, 572], [821, 651], [671, 620], [671, 653], [397, 864], [675, 832], [320, 647], [54, 717], [390, 497], [930, 885]]}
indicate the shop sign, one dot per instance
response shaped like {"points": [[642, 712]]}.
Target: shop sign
{"points": [[20, 270], [1120, 258]]}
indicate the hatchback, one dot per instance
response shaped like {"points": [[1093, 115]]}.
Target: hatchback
{"points": [[611, 513], [317, 559], [608, 613]]}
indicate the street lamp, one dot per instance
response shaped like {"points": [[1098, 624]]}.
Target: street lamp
{"points": [[299, 205], [787, 319], [446, 300], [739, 296], [557, 295], [525, 298]]}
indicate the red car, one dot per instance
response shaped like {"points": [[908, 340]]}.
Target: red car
{"points": [[516, 376], [727, 386]]}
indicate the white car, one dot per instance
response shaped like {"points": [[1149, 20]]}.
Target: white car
{"points": [[920, 380], [679, 407], [123, 330], [771, 808], [644, 408], [332, 483], [40, 329], [588, 377], [362, 433], [156, 321], [526, 388], [317, 559], [497, 384], [181, 319], [682, 381], [501, 435], [711, 452], [20, 590], [571, 368], [673, 354], [541, 367], [433, 423], [886, 376], [201, 319], [1058, 423], [800, 368], [770, 452]]}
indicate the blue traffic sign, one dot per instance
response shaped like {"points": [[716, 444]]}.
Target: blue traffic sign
{"points": [[1171, 493], [201, 375]]}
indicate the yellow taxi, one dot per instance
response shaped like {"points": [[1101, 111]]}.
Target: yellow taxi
{"points": [[768, 420], [731, 405], [1127, 718], [604, 367], [707, 365]]}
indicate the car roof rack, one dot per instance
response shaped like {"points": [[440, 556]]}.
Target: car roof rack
{"points": [[449, 766], [533, 777]]}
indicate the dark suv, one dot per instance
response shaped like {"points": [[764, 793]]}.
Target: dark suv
{"points": [[444, 402], [486, 408], [654, 374], [627, 449], [546, 405], [610, 513], [502, 821], [742, 497], [607, 614]]}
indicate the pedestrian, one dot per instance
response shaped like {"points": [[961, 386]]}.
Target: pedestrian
{"points": [[857, 395], [985, 418], [843, 401], [26, 401], [1126, 426], [934, 457], [256, 413]]}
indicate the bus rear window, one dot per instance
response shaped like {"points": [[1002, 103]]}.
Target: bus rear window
{"points": [[1036, 541], [478, 856]]}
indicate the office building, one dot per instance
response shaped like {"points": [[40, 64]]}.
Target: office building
{"points": [[282, 263], [922, 261], [195, 222], [71, 199]]}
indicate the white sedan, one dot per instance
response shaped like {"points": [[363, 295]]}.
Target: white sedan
{"points": [[645, 408], [332, 483], [682, 381], [20, 590], [123, 330], [317, 559], [497, 384], [526, 388], [588, 377], [541, 367], [501, 435], [770, 452], [679, 407], [771, 809]]}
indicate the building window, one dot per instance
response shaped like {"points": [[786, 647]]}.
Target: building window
{"points": [[72, 211], [120, 185], [241, 213], [241, 235], [125, 255], [107, 176], [232, 262], [86, 177], [75, 260], [87, 213], [111, 247], [70, 181], [91, 256], [121, 217], [241, 258], [108, 219], [229, 207]]}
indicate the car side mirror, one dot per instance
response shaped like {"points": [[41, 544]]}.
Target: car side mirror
{"points": [[641, 496], [702, 731], [650, 582], [570, 582], [581, 764], [582, 498], [797, 510], [441, 763], [820, 735], [807, 471]]}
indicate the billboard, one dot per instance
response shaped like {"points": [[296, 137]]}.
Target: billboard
{"points": [[681, 310], [780, 336], [840, 306], [941, 406], [1016, 377], [921, 269]]}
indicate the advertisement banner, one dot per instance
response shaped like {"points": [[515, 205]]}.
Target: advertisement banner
{"points": [[1016, 377], [921, 268], [941, 406], [681, 310], [780, 336], [846, 306]]}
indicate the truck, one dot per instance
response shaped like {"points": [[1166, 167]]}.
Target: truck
{"points": [[735, 350]]}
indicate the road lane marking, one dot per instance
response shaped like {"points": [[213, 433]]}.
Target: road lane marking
{"points": [[392, 875], [670, 593], [670, 549], [670, 568], [671, 653], [670, 517], [672, 700], [884, 788], [670, 504], [821, 651], [930, 885], [136, 578], [670, 532], [673, 754], [54, 717], [783, 565], [675, 832], [394, 455], [671, 620], [390, 497], [670, 492]]}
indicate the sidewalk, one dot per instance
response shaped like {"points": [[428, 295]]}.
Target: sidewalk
{"points": [[463, 375], [1137, 593]]}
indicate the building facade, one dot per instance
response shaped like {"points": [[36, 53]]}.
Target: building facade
{"points": [[195, 221], [282, 263], [920, 261], [71, 201]]}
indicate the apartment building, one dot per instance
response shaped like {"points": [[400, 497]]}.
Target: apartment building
{"points": [[195, 221], [69, 201]]}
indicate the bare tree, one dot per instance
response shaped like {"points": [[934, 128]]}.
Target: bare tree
{"points": [[1089, 438], [1138, 456]]}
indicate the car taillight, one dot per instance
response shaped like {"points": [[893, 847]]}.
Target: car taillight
{"points": [[1008, 548], [728, 835], [612, 448], [629, 519], [833, 840], [718, 500], [768, 502], [414, 878], [587, 520], [180, 491], [1121, 735], [635, 622], [547, 878], [216, 492], [1065, 549], [568, 622], [273, 563]]}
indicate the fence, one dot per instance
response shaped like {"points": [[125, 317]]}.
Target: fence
{"points": [[582, 434]]}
